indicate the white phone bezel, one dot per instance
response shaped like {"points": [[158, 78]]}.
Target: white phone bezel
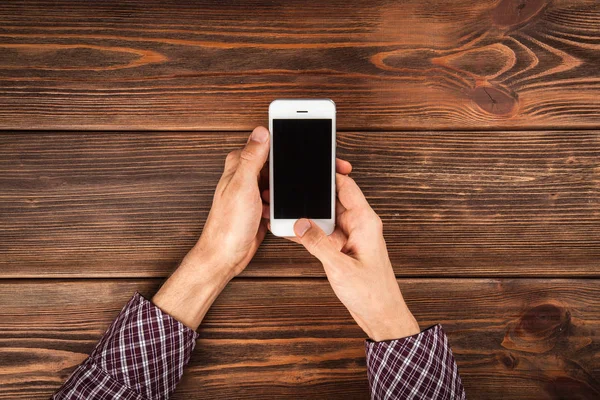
{"points": [[311, 109]]}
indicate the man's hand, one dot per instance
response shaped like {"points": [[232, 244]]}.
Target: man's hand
{"points": [[357, 264], [232, 233], [234, 228]]}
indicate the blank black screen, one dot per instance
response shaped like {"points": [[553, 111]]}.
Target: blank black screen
{"points": [[302, 168]]}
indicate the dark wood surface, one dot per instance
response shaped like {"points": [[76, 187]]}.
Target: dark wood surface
{"points": [[206, 65], [473, 127], [263, 338], [453, 203]]}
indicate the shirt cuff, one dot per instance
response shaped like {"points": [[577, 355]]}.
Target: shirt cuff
{"points": [[143, 350], [418, 366]]}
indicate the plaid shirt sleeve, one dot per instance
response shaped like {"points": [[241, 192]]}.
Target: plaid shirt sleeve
{"points": [[416, 367], [141, 356]]}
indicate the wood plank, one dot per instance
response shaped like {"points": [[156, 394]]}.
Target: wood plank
{"points": [[522, 338], [185, 64], [453, 203]]}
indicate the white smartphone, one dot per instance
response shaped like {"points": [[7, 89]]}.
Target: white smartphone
{"points": [[302, 164]]}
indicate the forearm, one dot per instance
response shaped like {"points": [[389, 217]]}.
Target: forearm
{"points": [[192, 288], [144, 351]]}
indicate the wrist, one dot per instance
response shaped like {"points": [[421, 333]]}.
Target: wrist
{"points": [[397, 324], [218, 258], [204, 265], [191, 289]]}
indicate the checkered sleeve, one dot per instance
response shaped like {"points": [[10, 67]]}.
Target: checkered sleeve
{"points": [[416, 367], [141, 356]]}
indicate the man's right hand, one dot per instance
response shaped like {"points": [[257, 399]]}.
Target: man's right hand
{"points": [[357, 264]]}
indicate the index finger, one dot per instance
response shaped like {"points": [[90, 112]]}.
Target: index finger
{"points": [[342, 166], [349, 193]]}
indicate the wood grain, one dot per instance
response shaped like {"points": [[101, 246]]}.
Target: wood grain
{"points": [[203, 65], [522, 338], [508, 186], [453, 203]]}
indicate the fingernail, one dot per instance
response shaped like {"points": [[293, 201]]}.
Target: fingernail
{"points": [[260, 135], [301, 226]]}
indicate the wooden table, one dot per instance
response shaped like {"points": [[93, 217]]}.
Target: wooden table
{"points": [[472, 126]]}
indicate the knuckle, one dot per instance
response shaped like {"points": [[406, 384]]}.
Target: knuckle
{"points": [[349, 181], [378, 223], [365, 215], [370, 219], [344, 180], [231, 157], [247, 155], [315, 242]]}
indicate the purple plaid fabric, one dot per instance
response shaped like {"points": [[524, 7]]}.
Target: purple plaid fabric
{"points": [[416, 367], [141, 356]]}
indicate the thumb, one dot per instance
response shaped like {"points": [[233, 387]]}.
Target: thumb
{"points": [[312, 237], [254, 155]]}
